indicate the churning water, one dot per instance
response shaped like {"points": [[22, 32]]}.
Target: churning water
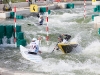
{"points": [[85, 60]]}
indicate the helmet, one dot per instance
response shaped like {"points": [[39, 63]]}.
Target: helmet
{"points": [[34, 39]]}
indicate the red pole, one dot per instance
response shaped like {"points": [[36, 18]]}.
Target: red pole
{"points": [[15, 27], [84, 9], [47, 29]]}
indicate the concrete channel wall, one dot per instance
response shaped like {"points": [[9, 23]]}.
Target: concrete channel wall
{"points": [[25, 4], [23, 7]]}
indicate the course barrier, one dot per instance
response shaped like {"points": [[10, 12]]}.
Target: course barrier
{"points": [[96, 9], [21, 42], [1, 41], [7, 31], [99, 31], [94, 16], [2, 31], [12, 14], [70, 5], [43, 10]]}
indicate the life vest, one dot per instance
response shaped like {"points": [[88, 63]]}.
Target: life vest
{"points": [[33, 46]]}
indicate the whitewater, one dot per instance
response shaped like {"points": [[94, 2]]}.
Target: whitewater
{"points": [[84, 60]]}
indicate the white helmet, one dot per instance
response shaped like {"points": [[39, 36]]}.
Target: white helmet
{"points": [[34, 39]]}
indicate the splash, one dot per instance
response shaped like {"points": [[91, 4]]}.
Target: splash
{"points": [[93, 48]]}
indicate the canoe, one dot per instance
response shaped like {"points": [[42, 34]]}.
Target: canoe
{"points": [[67, 48], [31, 57]]}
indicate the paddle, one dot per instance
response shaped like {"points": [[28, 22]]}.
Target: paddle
{"points": [[53, 50], [56, 47], [40, 52]]}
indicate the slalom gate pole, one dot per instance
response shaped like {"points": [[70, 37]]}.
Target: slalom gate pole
{"points": [[47, 29], [84, 9], [15, 27]]}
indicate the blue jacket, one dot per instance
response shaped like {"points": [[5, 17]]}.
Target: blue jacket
{"points": [[41, 21]]}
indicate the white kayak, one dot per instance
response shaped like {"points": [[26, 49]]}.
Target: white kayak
{"points": [[30, 57]]}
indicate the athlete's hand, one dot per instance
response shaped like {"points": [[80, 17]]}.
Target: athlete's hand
{"points": [[40, 52]]}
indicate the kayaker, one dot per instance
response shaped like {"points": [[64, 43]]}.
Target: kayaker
{"points": [[34, 47], [66, 38], [41, 19], [62, 38]]}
